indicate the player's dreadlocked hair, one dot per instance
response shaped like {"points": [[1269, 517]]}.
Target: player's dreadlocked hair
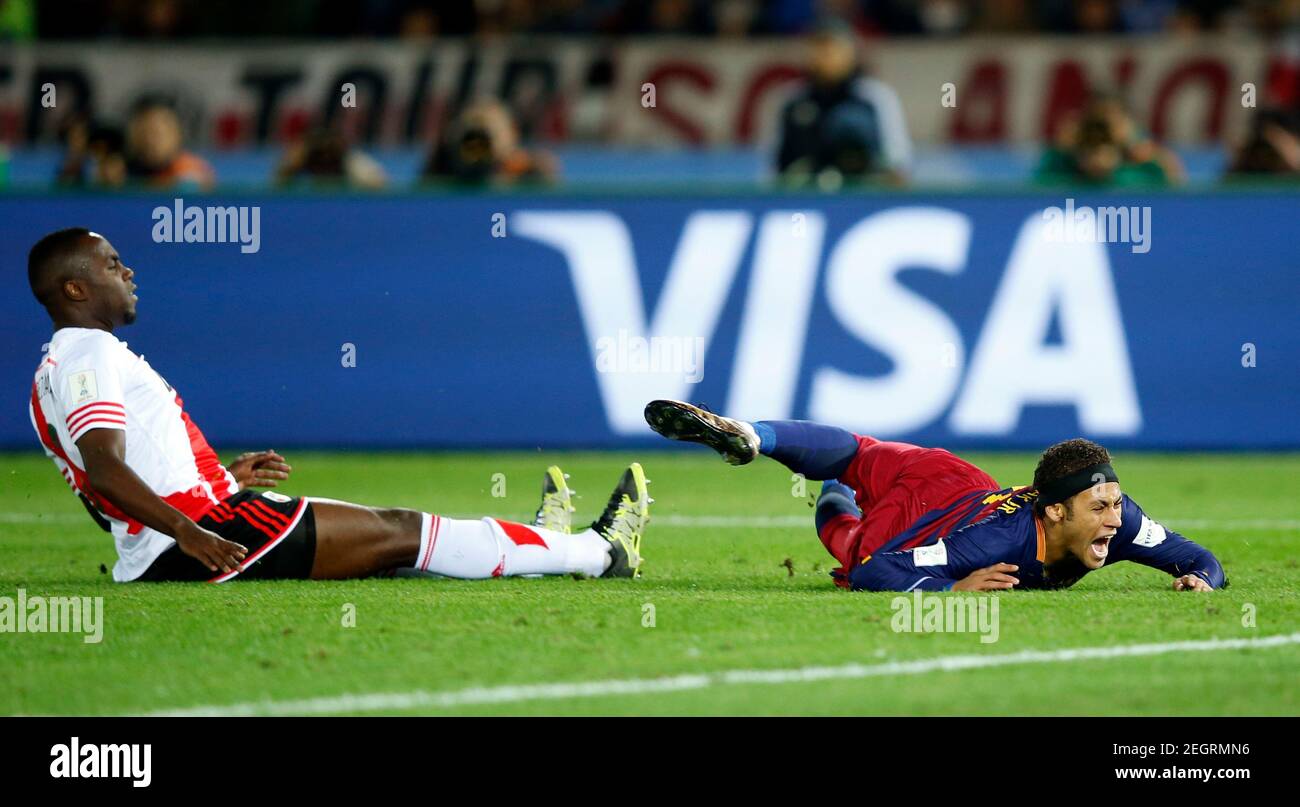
{"points": [[1063, 459]]}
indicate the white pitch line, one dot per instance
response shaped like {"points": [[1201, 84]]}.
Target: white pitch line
{"points": [[722, 522], [477, 696], [1247, 525], [787, 521], [44, 518]]}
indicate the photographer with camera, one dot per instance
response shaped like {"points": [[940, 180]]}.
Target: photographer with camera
{"points": [[1103, 146], [481, 147]]}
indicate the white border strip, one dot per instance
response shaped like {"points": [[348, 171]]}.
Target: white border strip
{"points": [[477, 696]]}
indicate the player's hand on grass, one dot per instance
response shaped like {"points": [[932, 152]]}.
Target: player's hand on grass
{"points": [[261, 469], [1191, 582], [211, 549], [990, 578]]}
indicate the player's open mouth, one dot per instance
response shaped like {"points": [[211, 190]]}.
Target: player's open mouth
{"points": [[1101, 547]]}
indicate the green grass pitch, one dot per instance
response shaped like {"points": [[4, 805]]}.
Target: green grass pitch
{"points": [[737, 581]]}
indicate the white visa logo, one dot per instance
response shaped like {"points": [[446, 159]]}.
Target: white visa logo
{"points": [[1011, 366]]}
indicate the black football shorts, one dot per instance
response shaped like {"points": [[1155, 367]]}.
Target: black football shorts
{"points": [[278, 531]]}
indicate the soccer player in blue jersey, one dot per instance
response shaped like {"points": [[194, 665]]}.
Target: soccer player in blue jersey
{"points": [[900, 517]]}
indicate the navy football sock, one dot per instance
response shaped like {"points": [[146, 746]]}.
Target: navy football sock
{"points": [[811, 449], [836, 499]]}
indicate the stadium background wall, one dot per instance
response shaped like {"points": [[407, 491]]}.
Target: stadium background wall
{"points": [[726, 92], [938, 318]]}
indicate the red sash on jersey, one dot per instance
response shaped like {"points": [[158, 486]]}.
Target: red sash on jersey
{"points": [[194, 504]]}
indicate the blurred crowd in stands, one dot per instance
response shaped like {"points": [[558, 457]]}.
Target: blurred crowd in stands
{"points": [[481, 147], [839, 127], [188, 19], [844, 127], [149, 153]]}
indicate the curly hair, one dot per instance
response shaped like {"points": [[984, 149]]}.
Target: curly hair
{"points": [[1063, 459]]}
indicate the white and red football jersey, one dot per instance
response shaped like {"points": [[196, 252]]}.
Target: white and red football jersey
{"points": [[88, 380]]}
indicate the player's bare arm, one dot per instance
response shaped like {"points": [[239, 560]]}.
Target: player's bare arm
{"points": [[104, 451]]}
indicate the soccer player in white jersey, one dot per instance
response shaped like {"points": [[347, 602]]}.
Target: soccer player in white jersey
{"points": [[121, 438]]}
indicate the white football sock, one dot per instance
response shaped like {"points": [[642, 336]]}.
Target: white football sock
{"points": [[474, 549]]}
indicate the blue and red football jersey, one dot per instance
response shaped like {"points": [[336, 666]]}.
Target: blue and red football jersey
{"points": [[999, 527]]}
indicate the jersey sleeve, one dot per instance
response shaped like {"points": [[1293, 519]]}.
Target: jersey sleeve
{"points": [[89, 387], [935, 567], [1145, 541]]}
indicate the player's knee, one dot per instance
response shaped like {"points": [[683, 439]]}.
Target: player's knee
{"points": [[400, 522]]}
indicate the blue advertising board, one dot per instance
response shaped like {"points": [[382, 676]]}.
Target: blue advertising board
{"points": [[472, 321]]}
